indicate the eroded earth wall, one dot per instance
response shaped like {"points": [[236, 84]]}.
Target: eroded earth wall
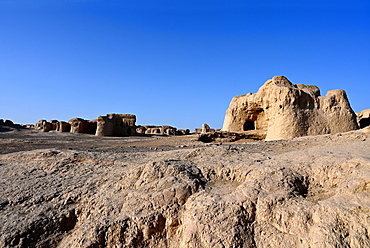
{"points": [[286, 111]]}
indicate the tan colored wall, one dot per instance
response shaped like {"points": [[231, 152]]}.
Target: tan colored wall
{"points": [[116, 125], [78, 125], [286, 110]]}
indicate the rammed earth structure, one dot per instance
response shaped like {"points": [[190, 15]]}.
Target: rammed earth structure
{"points": [[285, 111]]}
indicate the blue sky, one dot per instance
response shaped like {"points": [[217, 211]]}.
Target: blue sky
{"points": [[173, 62]]}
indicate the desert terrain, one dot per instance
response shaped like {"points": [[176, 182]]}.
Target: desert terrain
{"points": [[79, 190]]}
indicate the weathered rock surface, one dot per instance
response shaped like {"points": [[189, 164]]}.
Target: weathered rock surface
{"points": [[286, 111], [116, 125], [304, 192]]}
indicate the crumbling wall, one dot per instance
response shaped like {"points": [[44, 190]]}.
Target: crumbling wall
{"points": [[109, 125], [63, 126], [43, 125], [78, 125], [161, 130], [116, 125]]}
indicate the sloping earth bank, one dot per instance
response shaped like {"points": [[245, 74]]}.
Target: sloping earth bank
{"points": [[305, 192]]}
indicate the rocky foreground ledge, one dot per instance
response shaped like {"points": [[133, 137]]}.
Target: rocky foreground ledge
{"points": [[304, 192]]}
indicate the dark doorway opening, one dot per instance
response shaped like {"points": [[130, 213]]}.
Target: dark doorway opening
{"points": [[128, 131], [364, 122], [249, 125]]}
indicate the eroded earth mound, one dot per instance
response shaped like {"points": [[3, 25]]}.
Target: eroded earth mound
{"points": [[303, 192]]}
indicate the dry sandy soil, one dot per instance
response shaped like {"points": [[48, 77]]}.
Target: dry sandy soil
{"points": [[76, 190]]}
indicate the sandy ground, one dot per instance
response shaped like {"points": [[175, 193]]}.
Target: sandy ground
{"points": [[15, 140], [77, 190]]}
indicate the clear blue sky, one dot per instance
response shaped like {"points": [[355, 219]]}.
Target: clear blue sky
{"points": [[173, 62]]}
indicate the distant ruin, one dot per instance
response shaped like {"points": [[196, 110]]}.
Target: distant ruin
{"points": [[161, 130], [78, 125], [8, 125], [284, 110], [116, 125], [44, 125], [6, 122], [205, 129], [279, 110], [108, 125], [63, 126]]}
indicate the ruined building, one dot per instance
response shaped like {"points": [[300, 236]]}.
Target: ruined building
{"points": [[116, 125], [161, 130], [43, 125], [108, 125], [284, 110]]}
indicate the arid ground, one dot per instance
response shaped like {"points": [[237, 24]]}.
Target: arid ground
{"points": [[77, 190]]}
